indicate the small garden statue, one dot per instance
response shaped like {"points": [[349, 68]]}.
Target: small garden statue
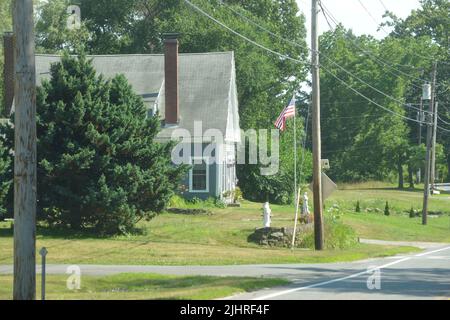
{"points": [[267, 214], [305, 208]]}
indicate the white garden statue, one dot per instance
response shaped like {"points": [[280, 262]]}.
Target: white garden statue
{"points": [[305, 208], [267, 213]]}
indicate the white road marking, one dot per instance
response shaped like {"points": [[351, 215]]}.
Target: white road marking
{"points": [[284, 292]]}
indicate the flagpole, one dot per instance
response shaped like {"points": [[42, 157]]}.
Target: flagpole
{"points": [[296, 195]]}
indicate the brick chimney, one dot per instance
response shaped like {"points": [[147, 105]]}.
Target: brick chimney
{"points": [[172, 110], [8, 71]]}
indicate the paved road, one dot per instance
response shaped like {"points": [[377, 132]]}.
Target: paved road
{"points": [[420, 276], [417, 276]]}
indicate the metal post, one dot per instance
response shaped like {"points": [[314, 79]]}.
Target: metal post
{"points": [[316, 139], [43, 252], [24, 153]]}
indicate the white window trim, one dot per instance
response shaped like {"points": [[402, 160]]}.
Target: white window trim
{"points": [[191, 188]]}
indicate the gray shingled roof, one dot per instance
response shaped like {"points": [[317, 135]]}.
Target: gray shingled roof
{"points": [[207, 86]]}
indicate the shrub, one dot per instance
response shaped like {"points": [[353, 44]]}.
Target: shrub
{"points": [[337, 236], [178, 202], [238, 195], [412, 213], [235, 195], [386, 209], [358, 208]]}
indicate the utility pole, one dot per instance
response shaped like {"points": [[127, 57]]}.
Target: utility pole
{"points": [[420, 118], [433, 149], [426, 180], [434, 127], [429, 119], [316, 140], [24, 153]]}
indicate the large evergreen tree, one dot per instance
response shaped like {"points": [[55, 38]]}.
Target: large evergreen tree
{"points": [[98, 163]]}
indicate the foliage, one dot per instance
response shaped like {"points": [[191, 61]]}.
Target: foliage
{"points": [[181, 203], [430, 23], [387, 211], [358, 208], [278, 188], [52, 34], [98, 163], [5, 25], [6, 166], [337, 235]]}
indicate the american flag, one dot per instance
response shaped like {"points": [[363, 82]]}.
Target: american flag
{"points": [[287, 113]]}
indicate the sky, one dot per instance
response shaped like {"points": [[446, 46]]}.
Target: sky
{"points": [[354, 16]]}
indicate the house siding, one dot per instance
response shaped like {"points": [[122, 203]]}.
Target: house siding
{"points": [[213, 190], [217, 174]]}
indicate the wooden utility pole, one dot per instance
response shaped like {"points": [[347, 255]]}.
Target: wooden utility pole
{"points": [[429, 122], [24, 153], [426, 180], [433, 149], [419, 172], [316, 140], [434, 127]]}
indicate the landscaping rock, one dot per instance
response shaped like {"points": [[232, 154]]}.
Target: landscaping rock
{"points": [[279, 237], [234, 205], [189, 211]]}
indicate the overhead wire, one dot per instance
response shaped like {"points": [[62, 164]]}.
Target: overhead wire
{"points": [[395, 33], [198, 9]]}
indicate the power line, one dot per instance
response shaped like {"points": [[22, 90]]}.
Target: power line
{"points": [[371, 16], [439, 117], [240, 35], [298, 61], [384, 6], [368, 99], [387, 33], [364, 82], [337, 22], [293, 43], [347, 150], [323, 55], [390, 65]]}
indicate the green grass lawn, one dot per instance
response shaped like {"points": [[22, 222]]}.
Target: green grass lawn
{"points": [[221, 238], [397, 226], [144, 286]]}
